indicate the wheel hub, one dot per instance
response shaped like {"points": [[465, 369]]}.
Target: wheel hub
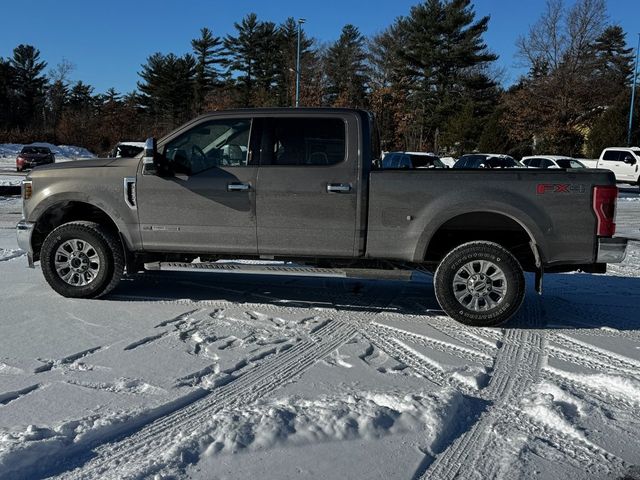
{"points": [[479, 285], [77, 262]]}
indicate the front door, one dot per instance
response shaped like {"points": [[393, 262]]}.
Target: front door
{"points": [[308, 186], [204, 201]]}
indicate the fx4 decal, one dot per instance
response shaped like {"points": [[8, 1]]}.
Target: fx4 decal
{"points": [[543, 188]]}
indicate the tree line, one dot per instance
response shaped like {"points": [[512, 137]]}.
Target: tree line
{"points": [[429, 77]]}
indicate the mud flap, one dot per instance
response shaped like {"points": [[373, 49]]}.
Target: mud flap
{"points": [[538, 279]]}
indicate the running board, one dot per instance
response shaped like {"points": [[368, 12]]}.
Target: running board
{"points": [[271, 269]]}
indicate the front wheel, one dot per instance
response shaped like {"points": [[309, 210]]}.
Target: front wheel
{"points": [[480, 283], [82, 260]]}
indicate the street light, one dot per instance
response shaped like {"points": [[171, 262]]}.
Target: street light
{"points": [[300, 22], [633, 94]]}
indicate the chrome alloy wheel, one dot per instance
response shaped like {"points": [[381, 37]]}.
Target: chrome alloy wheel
{"points": [[77, 262], [480, 285]]}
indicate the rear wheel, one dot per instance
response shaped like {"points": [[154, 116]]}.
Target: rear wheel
{"points": [[82, 260], [480, 283]]}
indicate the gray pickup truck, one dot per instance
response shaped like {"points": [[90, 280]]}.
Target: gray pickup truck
{"points": [[302, 186]]}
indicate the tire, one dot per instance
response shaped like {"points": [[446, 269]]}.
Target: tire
{"points": [[98, 264], [480, 284]]}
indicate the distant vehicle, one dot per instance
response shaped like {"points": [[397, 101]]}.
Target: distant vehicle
{"points": [[126, 150], [32, 155], [551, 161], [487, 160], [623, 162], [412, 160]]}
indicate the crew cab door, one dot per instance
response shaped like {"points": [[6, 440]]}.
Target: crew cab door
{"points": [[205, 200], [308, 185], [613, 160]]}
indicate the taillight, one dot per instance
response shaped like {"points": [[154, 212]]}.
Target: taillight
{"points": [[604, 206]]}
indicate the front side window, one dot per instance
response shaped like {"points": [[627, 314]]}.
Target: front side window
{"points": [[217, 143], [302, 141], [613, 155]]}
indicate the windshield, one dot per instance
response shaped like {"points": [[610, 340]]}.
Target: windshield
{"points": [[36, 150]]}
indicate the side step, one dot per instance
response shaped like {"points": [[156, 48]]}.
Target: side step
{"points": [[280, 269]]}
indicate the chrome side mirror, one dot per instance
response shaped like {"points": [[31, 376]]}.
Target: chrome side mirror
{"points": [[149, 162]]}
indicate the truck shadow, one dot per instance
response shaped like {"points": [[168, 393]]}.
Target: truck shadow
{"points": [[576, 301]]}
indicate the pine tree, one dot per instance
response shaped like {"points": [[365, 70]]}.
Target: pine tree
{"points": [[7, 93], [613, 63], [29, 83], [167, 88], [208, 51], [346, 69], [243, 56]]}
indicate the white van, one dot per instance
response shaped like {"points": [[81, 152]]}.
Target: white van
{"points": [[623, 162]]}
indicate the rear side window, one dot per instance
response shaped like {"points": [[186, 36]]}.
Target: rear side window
{"points": [[301, 141], [613, 155]]}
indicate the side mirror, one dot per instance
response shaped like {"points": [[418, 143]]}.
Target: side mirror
{"points": [[630, 160], [149, 158]]}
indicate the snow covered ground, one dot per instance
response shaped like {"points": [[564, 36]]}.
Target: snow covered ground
{"points": [[63, 153], [203, 376]]}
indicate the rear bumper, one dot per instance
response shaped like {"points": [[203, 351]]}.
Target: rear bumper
{"points": [[24, 230], [611, 250]]}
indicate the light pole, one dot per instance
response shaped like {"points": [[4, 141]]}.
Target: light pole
{"points": [[300, 22], [633, 94]]}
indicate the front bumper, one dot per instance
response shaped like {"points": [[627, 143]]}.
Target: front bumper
{"points": [[24, 230], [611, 250]]}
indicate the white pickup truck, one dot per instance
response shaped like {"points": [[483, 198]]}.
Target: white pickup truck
{"points": [[622, 161]]}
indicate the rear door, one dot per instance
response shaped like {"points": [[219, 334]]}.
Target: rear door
{"points": [[308, 185]]}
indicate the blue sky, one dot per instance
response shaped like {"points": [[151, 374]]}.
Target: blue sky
{"points": [[108, 41]]}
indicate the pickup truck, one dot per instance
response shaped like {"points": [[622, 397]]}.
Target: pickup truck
{"points": [[301, 186], [624, 162]]}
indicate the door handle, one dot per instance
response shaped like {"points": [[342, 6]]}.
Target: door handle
{"points": [[238, 187], [338, 187]]}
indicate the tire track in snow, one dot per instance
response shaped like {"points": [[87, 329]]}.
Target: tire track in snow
{"points": [[521, 350], [136, 454], [435, 344]]}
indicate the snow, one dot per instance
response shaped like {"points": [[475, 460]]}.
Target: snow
{"points": [[180, 375]]}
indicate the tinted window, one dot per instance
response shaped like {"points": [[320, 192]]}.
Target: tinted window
{"points": [[208, 145], [544, 163], [569, 163], [36, 150], [390, 160], [302, 141], [426, 161], [532, 162], [612, 155]]}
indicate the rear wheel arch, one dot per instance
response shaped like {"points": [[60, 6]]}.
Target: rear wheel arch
{"points": [[484, 225]]}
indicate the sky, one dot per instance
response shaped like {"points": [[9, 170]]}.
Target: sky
{"points": [[109, 41]]}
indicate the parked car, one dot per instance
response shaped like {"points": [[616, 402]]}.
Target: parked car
{"points": [[551, 161], [623, 162], [126, 149], [33, 155], [301, 188], [487, 160], [411, 160]]}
